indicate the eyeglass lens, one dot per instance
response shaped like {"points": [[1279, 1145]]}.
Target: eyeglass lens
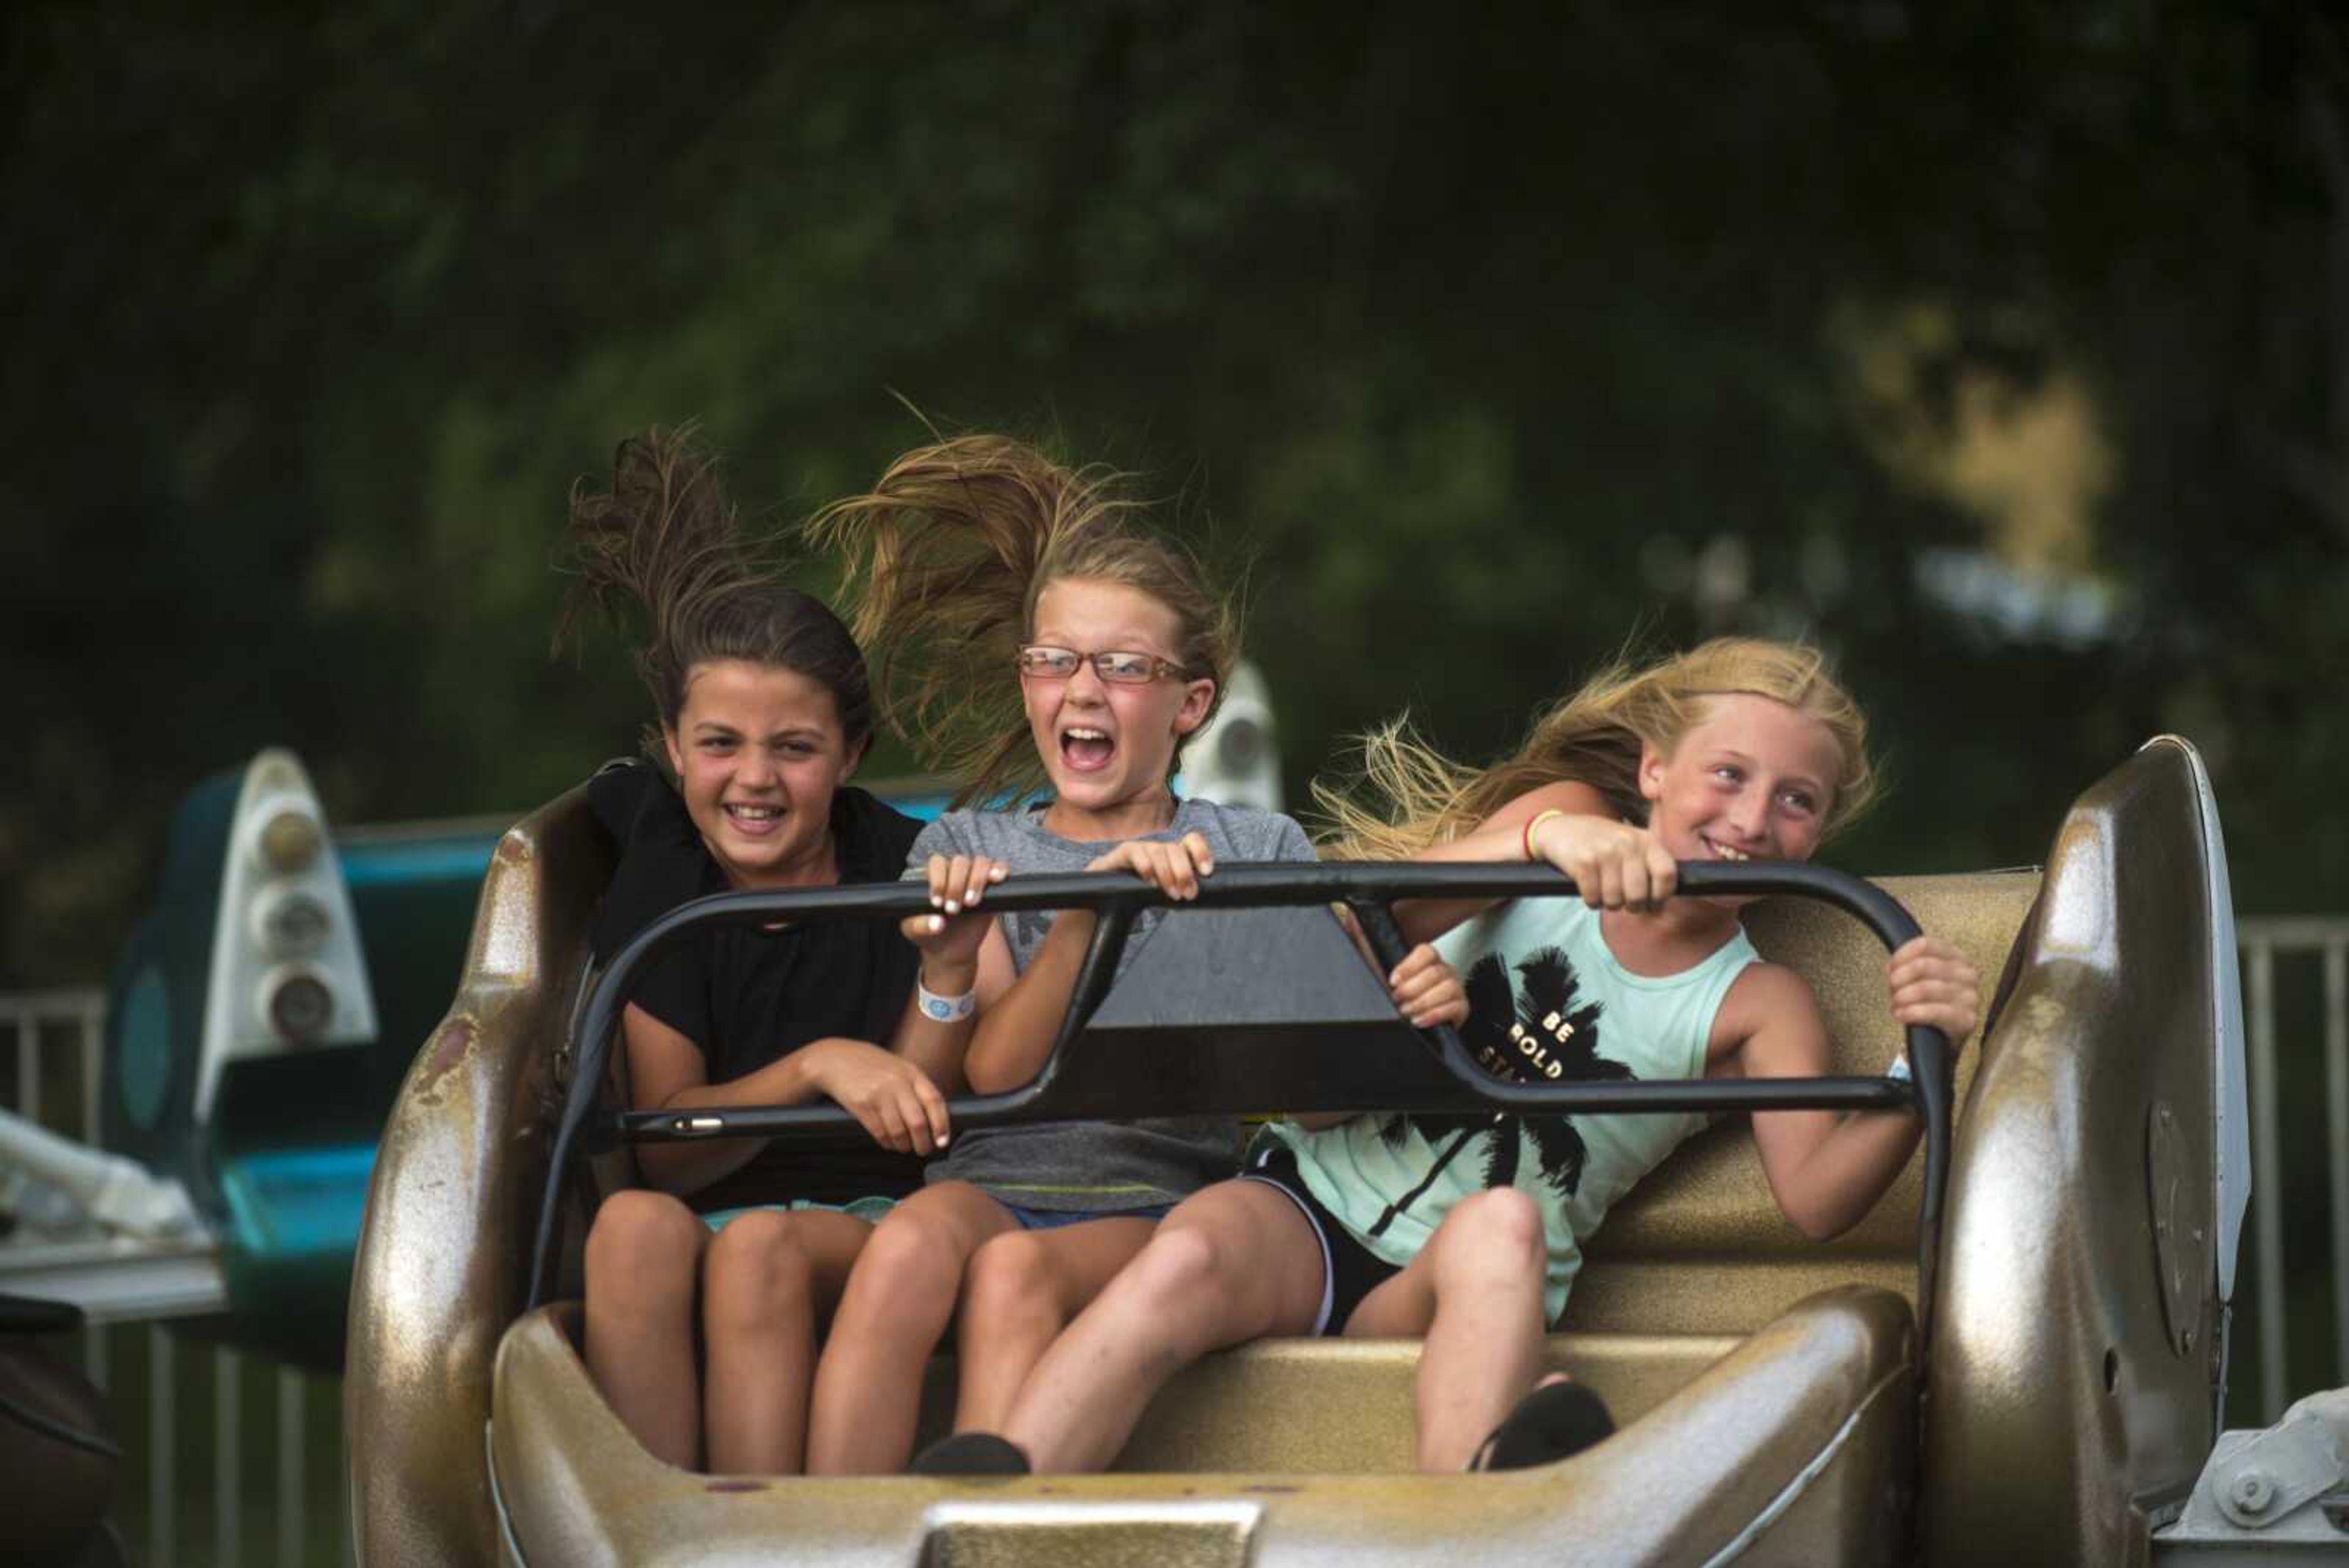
{"points": [[1113, 665]]}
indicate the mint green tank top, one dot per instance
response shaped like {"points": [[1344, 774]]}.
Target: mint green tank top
{"points": [[1548, 1002]]}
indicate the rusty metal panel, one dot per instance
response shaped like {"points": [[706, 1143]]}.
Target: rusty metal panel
{"points": [[440, 1269]]}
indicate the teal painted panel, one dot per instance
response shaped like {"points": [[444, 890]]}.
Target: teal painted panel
{"points": [[290, 1202]]}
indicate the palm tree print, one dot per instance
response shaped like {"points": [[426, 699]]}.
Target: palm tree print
{"points": [[1542, 1033]]}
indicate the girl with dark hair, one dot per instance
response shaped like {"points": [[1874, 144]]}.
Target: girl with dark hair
{"points": [[765, 710], [1042, 637]]}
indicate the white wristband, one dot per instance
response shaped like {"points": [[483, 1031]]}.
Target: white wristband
{"points": [[944, 1009]]}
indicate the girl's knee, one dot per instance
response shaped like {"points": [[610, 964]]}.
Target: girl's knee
{"points": [[1189, 1291], [910, 1252], [1179, 1263], [1499, 1225], [758, 1274], [1010, 1277], [642, 1241]]}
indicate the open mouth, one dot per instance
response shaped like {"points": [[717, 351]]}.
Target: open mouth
{"points": [[1723, 851], [755, 820], [1086, 749]]}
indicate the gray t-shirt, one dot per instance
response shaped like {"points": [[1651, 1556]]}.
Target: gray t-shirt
{"points": [[1094, 1167]]}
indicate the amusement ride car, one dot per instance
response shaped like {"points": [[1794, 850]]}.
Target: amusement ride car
{"points": [[2019, 1355]]}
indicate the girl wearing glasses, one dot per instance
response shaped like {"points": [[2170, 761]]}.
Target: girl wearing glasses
{"points": [[1465, 1230], [1041, 638]]}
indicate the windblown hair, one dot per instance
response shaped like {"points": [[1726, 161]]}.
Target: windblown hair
{"points": [[666, 541], [1408, 797], [945, 561]]}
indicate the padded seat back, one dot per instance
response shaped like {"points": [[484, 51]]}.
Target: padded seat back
{"points": [[1657, 1266]]}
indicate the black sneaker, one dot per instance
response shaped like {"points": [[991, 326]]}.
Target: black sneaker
{"points": [[970, 1454], [1556, 1421]]}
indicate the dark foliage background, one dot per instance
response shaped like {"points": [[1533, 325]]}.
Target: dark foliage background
{"points": [[1491, 340]]}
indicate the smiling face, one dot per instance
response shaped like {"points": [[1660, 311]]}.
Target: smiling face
{"points": [[1108, 747], [758, 751], [1753, 779]]}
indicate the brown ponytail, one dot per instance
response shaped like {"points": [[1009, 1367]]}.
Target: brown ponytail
{"points": [[665, 540]]}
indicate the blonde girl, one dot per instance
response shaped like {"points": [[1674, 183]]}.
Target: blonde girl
{"points": [[1043, 639], [1466, 1230]]}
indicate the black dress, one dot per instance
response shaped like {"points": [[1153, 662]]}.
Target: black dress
{"points": [[748, 996]]}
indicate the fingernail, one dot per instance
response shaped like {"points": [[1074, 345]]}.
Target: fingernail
{"points": [[953, 907], [937, 923]]}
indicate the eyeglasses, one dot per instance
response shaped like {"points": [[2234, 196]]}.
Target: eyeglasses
{"points": [[1118, 667]]}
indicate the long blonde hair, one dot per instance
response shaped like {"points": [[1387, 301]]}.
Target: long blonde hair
{"points": [[1406, 796], [944, 562]]}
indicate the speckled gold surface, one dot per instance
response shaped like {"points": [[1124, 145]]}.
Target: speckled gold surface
{"points": [[1815, 1413], [2034, 1453], [1344, 1407], [1657, 1266], [442, 1253]]}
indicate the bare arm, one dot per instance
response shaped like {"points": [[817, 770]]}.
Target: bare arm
{"points": [[667, 1071], [1015, 1035], [1827, 1171], [1016, 1032], [898, 1095], [1502, 836], [941, 1049], [963, 953]]}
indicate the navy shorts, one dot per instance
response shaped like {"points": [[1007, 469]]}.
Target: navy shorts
{"points": [[1350, 1270], [1053, 1219]]}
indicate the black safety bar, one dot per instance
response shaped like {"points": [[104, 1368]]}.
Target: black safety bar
{"points": [[1368, 889]]}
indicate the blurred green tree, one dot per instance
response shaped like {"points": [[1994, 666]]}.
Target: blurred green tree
{"points": [[1489, 341]]}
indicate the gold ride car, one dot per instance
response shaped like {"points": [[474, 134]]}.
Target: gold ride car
{"points": [[1781, 1401]]}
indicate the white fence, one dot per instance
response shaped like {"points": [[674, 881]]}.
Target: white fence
{"points": [[2278, 952], [2295, 970]]}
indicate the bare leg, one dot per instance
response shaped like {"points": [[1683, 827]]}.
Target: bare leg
{"points": [[1232, 1263], [1476, 1289], [768, 1278], [644, 1255], [900, 1296], [1019, 1292]]}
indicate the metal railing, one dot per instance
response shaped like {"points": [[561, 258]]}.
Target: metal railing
{"points": [[2291, 942], [81, 1014], [58, 1039]]}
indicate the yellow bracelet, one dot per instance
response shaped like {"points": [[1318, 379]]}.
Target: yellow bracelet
{"points": [[1538, 818]]}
